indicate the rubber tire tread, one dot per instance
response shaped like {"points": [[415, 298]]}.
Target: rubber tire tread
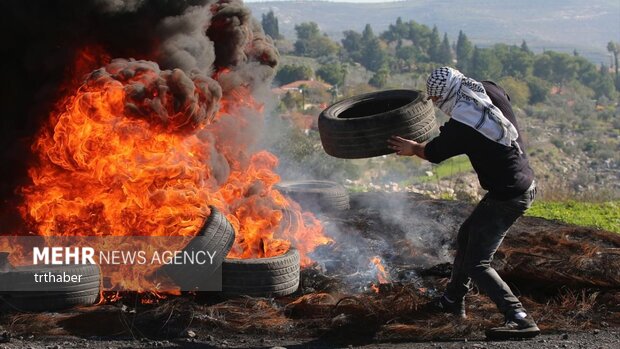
{"points": [[366, 136], [331, 197], [222, 237], [262, 277], [65, 297]]}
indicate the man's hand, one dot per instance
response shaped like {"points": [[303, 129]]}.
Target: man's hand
{"points": [[406, 147]]}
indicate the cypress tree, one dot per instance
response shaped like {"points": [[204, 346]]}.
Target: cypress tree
{"points": [[433, 47], [270, 25], [464, 52], [524, 47], [445, 53]]}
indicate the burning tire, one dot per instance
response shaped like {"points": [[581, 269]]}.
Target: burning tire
{"points": [[359, 127], [262, 277], [217, 234], [323, 196], [64, 295]]}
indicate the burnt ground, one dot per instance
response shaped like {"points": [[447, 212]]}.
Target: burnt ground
{"points": [[568, 278]]}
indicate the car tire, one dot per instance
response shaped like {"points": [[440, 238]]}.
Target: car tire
{"points": [[262, 277], [217, 234], [63, 296], [316, 196], [359, 126]]}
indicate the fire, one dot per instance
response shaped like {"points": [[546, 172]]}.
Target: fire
{"points": [[140, 151], [382, 275], [85, 59], [374, 288]]}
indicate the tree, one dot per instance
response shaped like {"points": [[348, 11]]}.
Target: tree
{"points": [[420, 35], [539, 89], [435, 41], [380, 78], [307, 31], [521, 63], [518, 90], [333, 73], [444, 54], [485, 65], [464, 52], [321, 47], [614, 49], [397, 31], [406, 56], [270, 25], [525, 48], [365, 49], [604, 86], [289, 73], [352, 41], [515, 61], [564, 68], [291, 100], [587, 73], [311, 43], [543, 67], [373, 57], [368, 35]]}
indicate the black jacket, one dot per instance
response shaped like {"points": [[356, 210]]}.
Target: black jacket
{"points": [[501, 170]]}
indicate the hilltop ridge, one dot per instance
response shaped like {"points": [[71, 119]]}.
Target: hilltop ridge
{"points": [[561, 25]]}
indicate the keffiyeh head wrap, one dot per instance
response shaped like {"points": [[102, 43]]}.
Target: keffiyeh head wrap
{"points": [[466, 101]]}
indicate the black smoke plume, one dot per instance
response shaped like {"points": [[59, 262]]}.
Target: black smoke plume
{"points": [[41, 40]]}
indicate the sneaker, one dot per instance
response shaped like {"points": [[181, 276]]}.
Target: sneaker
{"points": [[514, 329], [442, 304]]}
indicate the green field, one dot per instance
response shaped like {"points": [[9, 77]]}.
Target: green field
{"points": [[604, 215]]}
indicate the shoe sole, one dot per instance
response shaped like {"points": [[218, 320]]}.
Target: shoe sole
{"points": [[512, 334]]}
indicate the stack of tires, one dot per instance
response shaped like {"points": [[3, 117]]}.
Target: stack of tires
{"points": [[258, 277]]}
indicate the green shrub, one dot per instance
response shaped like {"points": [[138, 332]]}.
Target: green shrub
{"points": [[332, 73], [518, 90], [292, 72]]}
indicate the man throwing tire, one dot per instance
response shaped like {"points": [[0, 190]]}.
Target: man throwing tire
{"points": [[482, 125]]}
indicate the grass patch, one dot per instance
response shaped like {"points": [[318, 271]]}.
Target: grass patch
{"points": [[605, 215], [448, 168]]}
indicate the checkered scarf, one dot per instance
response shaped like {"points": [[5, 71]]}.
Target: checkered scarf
{"points": [[465, 100]]}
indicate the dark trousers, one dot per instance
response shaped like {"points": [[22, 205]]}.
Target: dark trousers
{"points": [[478, 239]]}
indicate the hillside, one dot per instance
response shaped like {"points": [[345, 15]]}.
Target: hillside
{"points": [[561, 25]]}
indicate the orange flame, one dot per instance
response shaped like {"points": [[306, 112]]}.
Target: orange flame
{"points": [[374, 288], [382, 275], [103, 172]]}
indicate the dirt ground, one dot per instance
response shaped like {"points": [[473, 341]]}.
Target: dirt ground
{"points": [[607, 338], [567, 277]]}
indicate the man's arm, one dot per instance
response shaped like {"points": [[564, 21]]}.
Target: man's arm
{"points": [[452, 141]]}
